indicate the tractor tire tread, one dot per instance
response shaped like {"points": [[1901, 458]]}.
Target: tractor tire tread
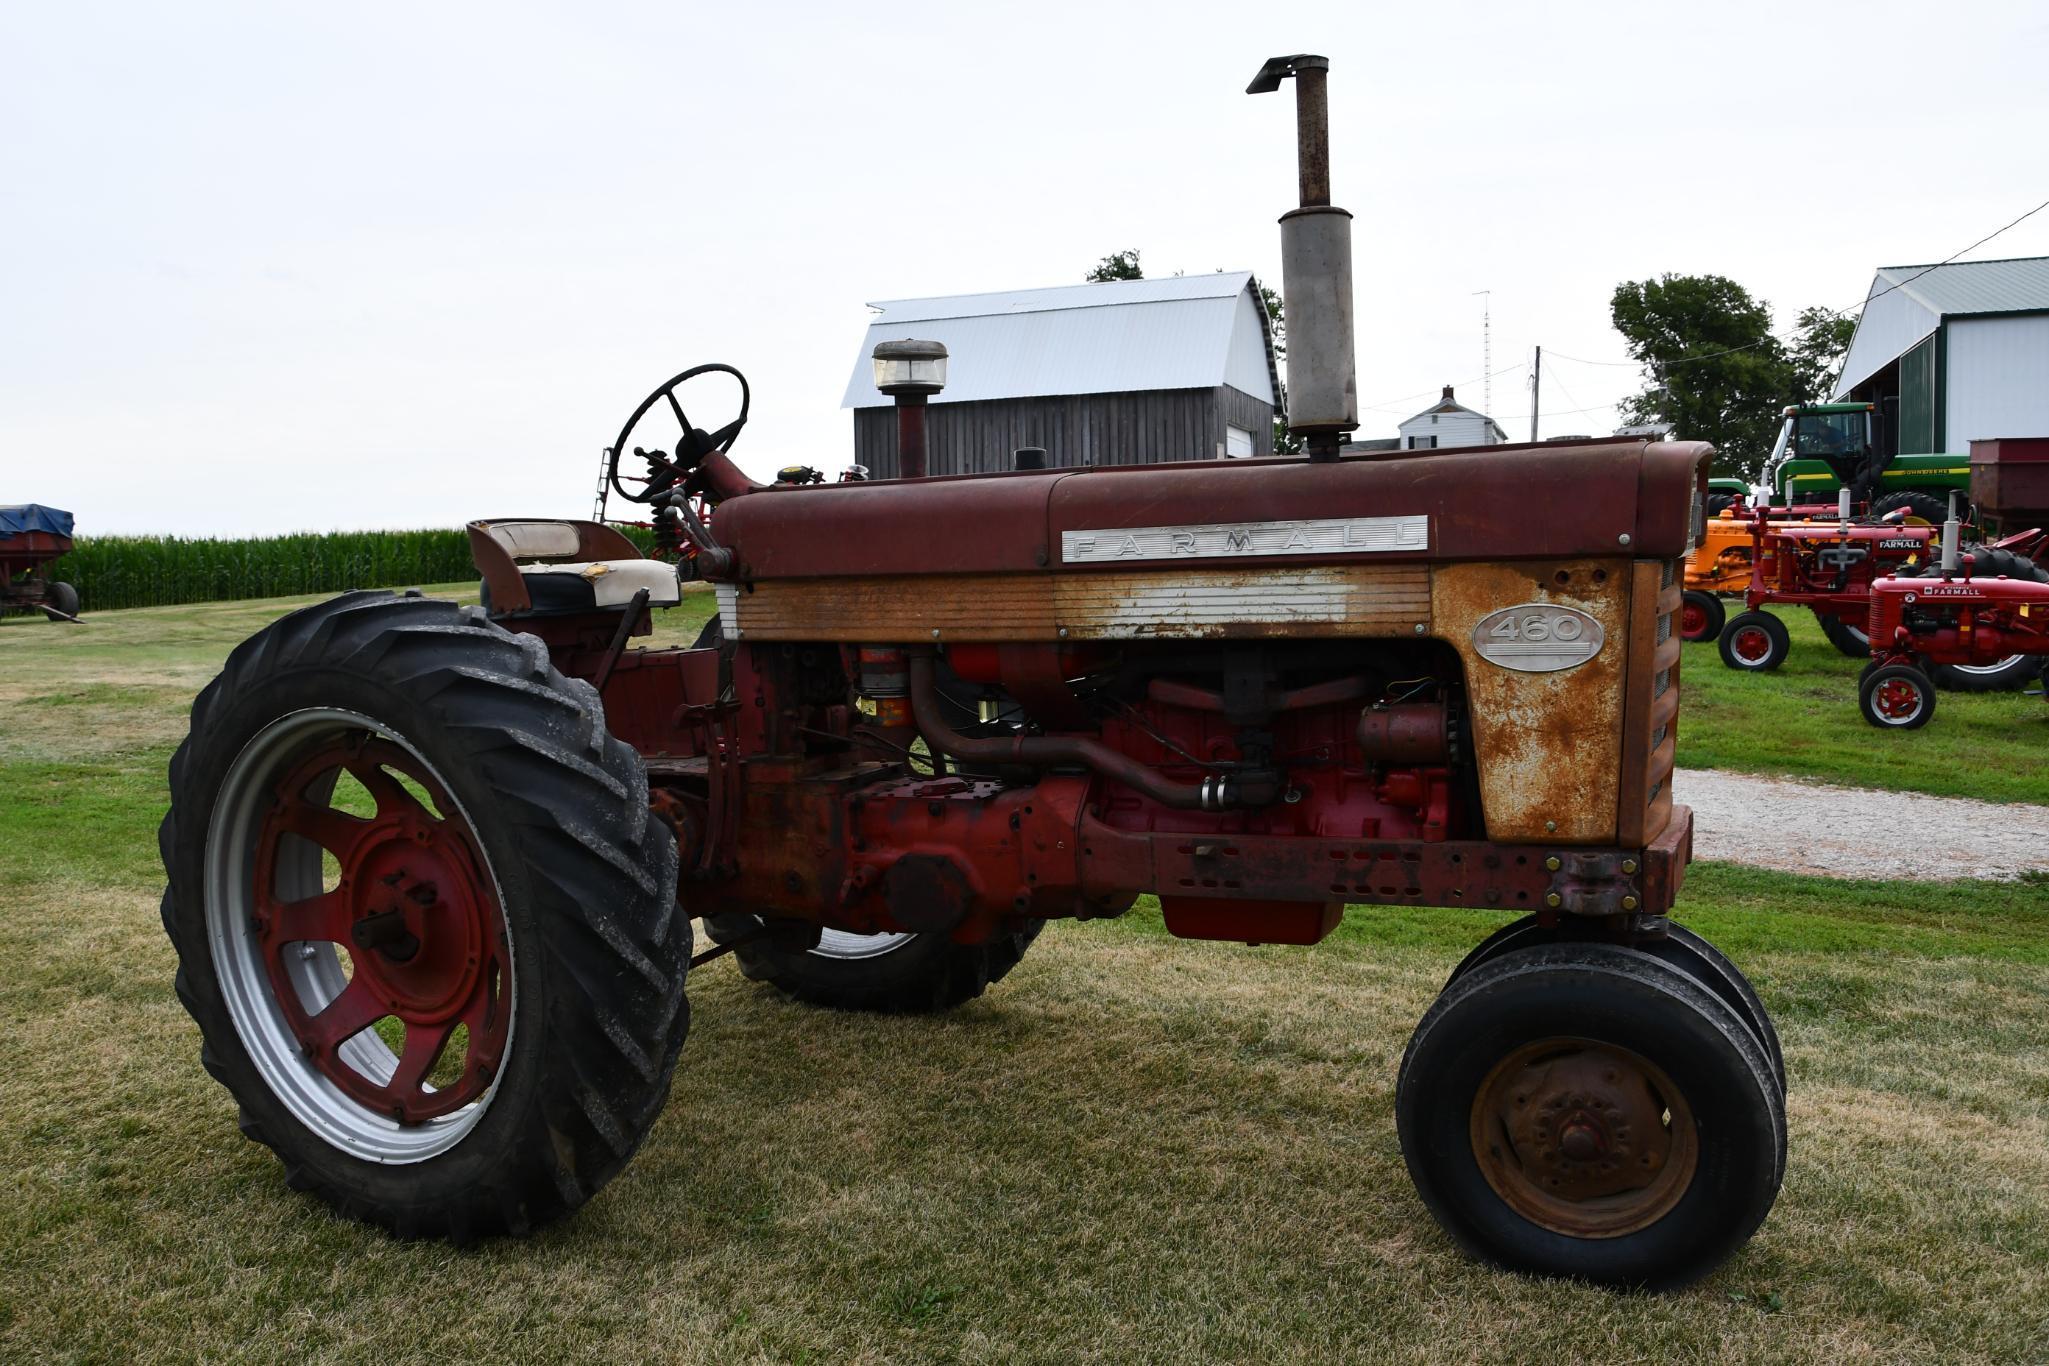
{"points": [[595, 872]]}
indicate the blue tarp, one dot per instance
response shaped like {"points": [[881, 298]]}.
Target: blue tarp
{"points": [[27, 517]]}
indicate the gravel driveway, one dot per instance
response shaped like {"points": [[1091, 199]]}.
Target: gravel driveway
{"points": [[1802, 827]]}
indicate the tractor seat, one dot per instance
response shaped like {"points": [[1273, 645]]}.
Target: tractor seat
{"points": [[581, 567], [599, 584]]}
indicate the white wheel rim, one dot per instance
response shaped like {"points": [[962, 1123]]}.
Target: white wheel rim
{"points": [[311, 1097], [842, 944], [1987, 670]]}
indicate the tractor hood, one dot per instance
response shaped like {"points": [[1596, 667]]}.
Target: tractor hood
{"points": [[1538, 501]]}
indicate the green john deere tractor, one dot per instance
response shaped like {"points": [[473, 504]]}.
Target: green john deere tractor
{"points": [[1824, 447]]}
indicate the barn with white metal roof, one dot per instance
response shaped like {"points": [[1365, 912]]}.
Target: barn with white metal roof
{"points": [[1120, 373], [1953, 353]]}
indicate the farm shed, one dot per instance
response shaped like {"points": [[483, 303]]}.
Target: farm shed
{"points": [[1449, 423], [1953, 354], [1130, 372]]}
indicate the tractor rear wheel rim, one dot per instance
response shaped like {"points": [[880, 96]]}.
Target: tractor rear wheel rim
{"points": [[1752, 644], [328, 925], [1898, 700], [1584, 1138], [1692, 620], [1986, 670], [848, 946]]}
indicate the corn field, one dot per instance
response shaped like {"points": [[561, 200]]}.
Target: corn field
{"points": [[155, 571]]}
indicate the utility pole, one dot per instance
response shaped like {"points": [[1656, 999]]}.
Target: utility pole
{"points": [[1536, 388], [1486, 349]]}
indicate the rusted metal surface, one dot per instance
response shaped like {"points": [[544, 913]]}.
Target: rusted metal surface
{"points": [[1406, 733], [2010, 480], [1478, 502], [1650, 730], [1166, 604], [1547, 745], [1587, 1139]]}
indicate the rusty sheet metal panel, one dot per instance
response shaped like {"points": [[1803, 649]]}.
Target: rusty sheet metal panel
{"points": [[1179, 604], [1651, 719], [1548, 745], [1476, 503]]}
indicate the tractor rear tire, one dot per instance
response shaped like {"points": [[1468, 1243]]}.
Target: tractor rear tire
{"points": [[2015, 671], [1754, 642], [1896, 697], [1718, 503], [888, 974], [64, 598], [1590, 1111], [511, 879], [1930, 508], [1701, 616], [1849, 640]]}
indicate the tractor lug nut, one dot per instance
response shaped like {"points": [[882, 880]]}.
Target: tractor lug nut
{"points": [[1553, 899]]}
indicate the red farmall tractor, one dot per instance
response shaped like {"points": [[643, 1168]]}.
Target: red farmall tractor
{"points": [[1829, 566], [435, 870], [1970, 608]]}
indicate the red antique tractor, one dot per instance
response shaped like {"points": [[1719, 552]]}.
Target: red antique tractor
{"points": [[1969, 608], [433, 869], [1828, 566]]}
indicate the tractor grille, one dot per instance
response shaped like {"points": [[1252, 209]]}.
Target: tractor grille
{"points": [[1654, 701]]}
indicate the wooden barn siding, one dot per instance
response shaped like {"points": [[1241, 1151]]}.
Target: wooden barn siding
{"points": [[1241, 409], [1076, 429]]}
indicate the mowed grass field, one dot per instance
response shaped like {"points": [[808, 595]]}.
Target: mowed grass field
{"points": [[1802, 719], [1133, 1149]]}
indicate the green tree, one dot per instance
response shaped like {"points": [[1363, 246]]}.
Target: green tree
{"points": [[1277, 320], [1118, 265], [1714, 369], [1821, 340]]}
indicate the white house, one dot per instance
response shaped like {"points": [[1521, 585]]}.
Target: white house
{"points": [[1953, 353], [1450, 423]]}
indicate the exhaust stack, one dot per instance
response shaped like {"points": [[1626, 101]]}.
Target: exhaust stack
{"points": [[1316, 269]]}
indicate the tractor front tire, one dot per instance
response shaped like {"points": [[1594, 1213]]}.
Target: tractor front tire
{"points": [[447, 992], [64, 598], [1896, 697], [1682, 948], [888, 973], [1589, 1111], [1701, 616], [1754, 642]]}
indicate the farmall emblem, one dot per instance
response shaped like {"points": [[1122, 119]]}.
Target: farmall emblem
{"points": [[1537, 637]]}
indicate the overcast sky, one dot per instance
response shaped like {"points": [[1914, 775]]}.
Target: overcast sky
{"points": [[277, 267]]}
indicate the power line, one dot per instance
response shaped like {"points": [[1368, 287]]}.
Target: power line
{"points": [[1382, 405]]}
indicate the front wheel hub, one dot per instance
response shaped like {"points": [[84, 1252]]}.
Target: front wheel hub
{"points": [[418, 1024], [1584, 1138]]}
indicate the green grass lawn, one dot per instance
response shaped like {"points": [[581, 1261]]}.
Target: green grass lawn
{"points": [[1802, 719], [1134, 1148]]}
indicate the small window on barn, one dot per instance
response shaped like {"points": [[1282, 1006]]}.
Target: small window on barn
{"points": [[1237, 442], [1422, 443]]}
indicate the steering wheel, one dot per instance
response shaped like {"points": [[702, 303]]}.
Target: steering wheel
{"points": [[664, 473]]}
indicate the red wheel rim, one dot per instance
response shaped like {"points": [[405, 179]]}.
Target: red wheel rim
{"points": [[1692, 620], [415, 911], [1897, 699], [1751, 644]]}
